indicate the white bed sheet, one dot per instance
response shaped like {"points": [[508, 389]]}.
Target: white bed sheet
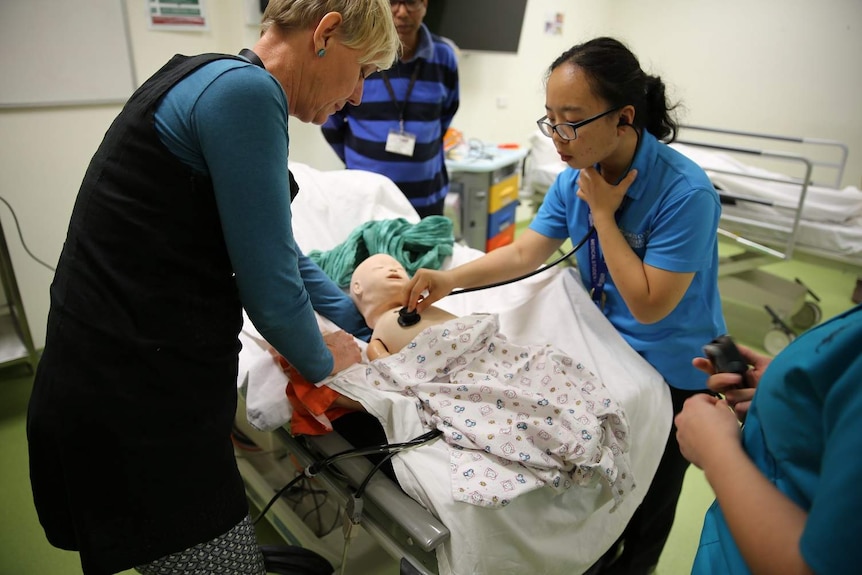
{"points": [[541, 531], [831, 222], [543, 164], [821, 204]]}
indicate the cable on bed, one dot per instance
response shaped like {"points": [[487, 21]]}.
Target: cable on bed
{"points": [[276, 497], [389, 449], [21, 236]]}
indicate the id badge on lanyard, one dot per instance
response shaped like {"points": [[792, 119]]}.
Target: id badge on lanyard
{"points": [[400, 141]]}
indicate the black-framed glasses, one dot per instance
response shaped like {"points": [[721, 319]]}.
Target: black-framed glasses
{"points": [[410, 5], [568, 130]]}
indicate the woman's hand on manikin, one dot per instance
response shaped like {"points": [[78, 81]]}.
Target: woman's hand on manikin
{"points": [[345, 351], [426, 287], [603, 198]]}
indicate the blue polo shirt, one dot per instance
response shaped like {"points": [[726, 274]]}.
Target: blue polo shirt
{"points": [[804, 433], [670, 220]]}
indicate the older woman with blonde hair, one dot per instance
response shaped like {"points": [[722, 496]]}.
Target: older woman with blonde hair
{"points": [[183, 218]]}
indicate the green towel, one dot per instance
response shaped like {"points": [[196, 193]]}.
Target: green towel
{"points": [[422, 245]]}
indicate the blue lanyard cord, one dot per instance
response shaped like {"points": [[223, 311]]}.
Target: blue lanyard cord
{"points": [[598, 267]]}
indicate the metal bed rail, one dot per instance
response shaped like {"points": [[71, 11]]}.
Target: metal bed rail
{"points": [[744, 288], [395, 522], [837, 164], [790, 232]]}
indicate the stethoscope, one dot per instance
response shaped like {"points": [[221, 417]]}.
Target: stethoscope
{"points": [[407, 318]]}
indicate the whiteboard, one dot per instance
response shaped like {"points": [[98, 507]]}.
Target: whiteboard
{"points": [[64, 52]]}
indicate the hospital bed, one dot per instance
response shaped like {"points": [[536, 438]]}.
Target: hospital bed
{"points": [[415, 520], [780, 196]]}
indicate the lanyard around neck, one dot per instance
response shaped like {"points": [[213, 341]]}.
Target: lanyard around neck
{"points": [[252, 57], [401, 107], [598, 266]]}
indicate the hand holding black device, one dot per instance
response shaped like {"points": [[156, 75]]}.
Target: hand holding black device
{"points": [[725, 357]]}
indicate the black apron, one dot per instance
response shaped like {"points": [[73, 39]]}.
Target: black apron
{"points": [[134, 397]]}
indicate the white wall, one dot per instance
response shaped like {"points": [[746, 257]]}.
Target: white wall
{"points": [[780, 66]]}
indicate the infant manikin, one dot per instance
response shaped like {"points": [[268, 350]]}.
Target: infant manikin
{"points": [[377, 288]]}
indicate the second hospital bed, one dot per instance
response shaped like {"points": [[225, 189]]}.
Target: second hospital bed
{"points": [[780, 195], [416, 520]]}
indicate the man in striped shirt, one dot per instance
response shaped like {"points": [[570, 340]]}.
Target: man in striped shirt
{"points": [[398, 129]]}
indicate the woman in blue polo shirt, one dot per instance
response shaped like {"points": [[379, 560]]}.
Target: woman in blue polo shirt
{"points": [[649, 219]]}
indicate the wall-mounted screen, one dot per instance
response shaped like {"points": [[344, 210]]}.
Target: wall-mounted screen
{"points": [[488, 25]]}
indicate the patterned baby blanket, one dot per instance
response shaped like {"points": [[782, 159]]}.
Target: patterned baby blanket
{"points": [[516, 417]]}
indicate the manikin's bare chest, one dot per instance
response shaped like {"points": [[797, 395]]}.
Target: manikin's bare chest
{"points": [[394, 336]]}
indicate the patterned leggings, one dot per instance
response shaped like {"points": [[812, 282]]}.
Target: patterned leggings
{"points": [[233, 553]]}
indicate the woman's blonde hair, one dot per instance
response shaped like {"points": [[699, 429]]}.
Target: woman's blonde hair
{"points": [[367, 25]]}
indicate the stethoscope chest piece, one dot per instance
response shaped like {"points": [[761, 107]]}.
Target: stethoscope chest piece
{"points": [[407, 318]]}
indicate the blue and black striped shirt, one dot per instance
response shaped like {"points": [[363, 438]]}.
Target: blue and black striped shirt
{"points": [[358, 133]]}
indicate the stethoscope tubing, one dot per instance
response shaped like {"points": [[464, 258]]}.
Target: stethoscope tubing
{"points": [[571, 252]]}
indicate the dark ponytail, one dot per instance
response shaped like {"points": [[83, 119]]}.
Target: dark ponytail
{"points": [[615, 75]]}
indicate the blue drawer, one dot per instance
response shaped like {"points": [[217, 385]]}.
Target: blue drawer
{"points": [[501, 219]]}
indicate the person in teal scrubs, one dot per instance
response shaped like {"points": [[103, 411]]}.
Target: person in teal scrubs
{"points": [[786, 486]]}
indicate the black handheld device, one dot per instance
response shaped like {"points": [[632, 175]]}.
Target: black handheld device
{"points": [[725, 356]]}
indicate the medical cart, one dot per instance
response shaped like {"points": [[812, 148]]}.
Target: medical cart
{"points": [[484, 188]]}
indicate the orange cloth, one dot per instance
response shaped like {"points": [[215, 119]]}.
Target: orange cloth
{"points": [[313, 413], [452, 138]]}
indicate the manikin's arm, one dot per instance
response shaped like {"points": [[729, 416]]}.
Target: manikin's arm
{"points": [[376, 349]]}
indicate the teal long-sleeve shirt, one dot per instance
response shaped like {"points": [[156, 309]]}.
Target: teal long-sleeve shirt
{"points": [[228, 120]]}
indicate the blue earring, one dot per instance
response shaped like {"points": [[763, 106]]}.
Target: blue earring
{"points": [[321, 52]]}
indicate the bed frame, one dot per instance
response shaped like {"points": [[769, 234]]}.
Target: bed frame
{"points": [[754, 299], [273, 460], [807, 164]]}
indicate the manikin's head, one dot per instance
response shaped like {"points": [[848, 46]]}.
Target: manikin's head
{"points": [[377, 285]]}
